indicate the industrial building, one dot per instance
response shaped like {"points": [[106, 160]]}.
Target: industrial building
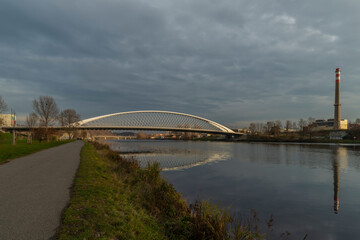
{"points": [[336, 123], [322, 124]]}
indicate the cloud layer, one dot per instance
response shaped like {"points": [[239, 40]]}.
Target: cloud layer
{"points": [[230, 61]]}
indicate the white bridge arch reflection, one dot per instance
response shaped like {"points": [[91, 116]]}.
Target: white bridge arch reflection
{"points": [[170, 159], [172, 162]]}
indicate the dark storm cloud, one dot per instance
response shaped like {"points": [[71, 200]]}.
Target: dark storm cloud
{"points": [[231, 61]]}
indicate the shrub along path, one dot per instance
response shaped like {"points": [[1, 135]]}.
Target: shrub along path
{"points": [[34, 190]]}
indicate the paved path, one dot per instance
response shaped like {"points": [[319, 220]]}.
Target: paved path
{"points": [[34, 190]]}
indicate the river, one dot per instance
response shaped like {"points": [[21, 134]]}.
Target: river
{"points": [[311, 189]]}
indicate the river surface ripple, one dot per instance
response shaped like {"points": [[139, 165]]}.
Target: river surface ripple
{"points": [[310, 189]]}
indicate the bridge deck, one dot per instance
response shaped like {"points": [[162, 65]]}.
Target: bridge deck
{"points": [[135, 128]]}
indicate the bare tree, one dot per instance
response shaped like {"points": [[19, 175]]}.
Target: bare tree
{"points": [[269, 125], [3, 108], [252, 128], [276, 129], [31, 121], [47, 111], [288, 125], [278, 123], [69, 119], [259, 127], [302, 124], [311, 120], [310, 125]]}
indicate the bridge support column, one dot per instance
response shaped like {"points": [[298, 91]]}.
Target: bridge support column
{"points": [[13, 137]]}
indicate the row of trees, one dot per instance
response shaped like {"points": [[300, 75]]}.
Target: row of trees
{"points": [[275, 127], [46, 113], [302, 126]]}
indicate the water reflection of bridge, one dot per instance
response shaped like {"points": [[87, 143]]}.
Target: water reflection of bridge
{"points": [[109, 137], [334, 158], [171, 161]]}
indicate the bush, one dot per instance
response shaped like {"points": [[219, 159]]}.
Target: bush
{"points": [[100, 146], [209, 221]]}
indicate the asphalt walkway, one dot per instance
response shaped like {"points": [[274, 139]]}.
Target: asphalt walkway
{"points": [[34, 190]]}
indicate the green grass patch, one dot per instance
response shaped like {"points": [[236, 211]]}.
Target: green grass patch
{"points": [[22, 148], [103, 206], [113, 198]]}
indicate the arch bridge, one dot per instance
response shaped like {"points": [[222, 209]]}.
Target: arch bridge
{"points": [[154, 121], [147, 121]]}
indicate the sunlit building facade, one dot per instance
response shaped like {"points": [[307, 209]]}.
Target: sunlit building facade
{"points": [[322, 124], [5, 120]]}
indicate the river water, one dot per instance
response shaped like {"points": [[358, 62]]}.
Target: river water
{"points": [[310, 189]]}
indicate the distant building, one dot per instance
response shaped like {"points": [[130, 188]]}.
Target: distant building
{"points": [[322, 124], [289, 130], [5, 120], [242, 130]]}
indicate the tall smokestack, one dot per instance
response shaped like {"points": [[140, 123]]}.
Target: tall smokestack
{"points": [[337, 112]]}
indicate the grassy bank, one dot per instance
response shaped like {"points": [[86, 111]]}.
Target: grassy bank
{"points": [[300, 140], [9, 151], [115, 199]]}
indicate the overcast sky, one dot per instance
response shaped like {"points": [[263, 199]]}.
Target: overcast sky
{"points": [[231, 61]]}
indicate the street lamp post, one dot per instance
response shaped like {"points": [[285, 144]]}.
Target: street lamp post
{"points": [[13, 119]]}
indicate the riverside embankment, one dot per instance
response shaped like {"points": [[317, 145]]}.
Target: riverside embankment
{"points": [[113, 198]]}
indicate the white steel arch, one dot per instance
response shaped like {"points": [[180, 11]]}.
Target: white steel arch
{"points": [[150, 118]]}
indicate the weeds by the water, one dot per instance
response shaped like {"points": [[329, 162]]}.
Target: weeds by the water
{"points": [[114, 198]]}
